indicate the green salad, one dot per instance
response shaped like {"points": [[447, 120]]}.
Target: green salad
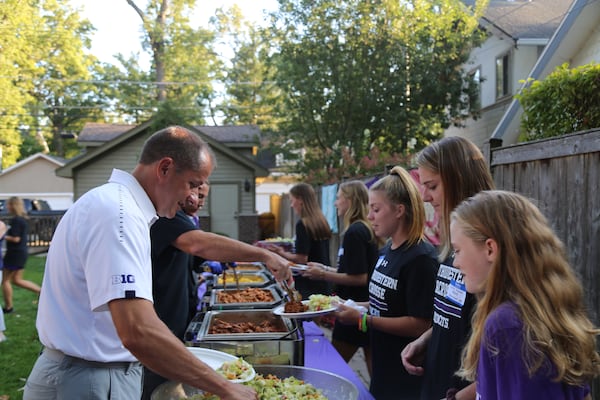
{"points": [[238, 369], [271, 387], [318, 302]]}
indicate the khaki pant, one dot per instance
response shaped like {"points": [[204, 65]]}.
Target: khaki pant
{"points": [[57, 376]]}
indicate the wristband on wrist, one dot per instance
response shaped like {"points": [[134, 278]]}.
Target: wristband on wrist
{"points": [[364, 322], [360, 323]]}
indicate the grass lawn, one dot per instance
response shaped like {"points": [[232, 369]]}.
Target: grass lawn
{"points": [[20, 351]]}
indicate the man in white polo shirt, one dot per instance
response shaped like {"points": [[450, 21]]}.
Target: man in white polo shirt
{"points": [[96, 319]]}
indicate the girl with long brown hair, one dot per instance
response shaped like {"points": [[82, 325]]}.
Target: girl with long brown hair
{"points": [[312, 238], [356, 259]]}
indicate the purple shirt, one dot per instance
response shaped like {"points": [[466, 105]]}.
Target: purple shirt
{"points": [[502, 373]]}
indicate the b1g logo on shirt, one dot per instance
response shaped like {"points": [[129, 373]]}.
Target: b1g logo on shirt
{"points": [[119, 279]]}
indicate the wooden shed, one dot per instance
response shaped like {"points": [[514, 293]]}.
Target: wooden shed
{"points": [[230, 209]]}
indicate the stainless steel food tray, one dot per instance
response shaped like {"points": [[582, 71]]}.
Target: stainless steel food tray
{"points": [[284, 325], [251, 267], [273, 289], [259, 279]]}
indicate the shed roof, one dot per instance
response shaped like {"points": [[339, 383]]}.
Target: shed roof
{"points": [[99, 133], [118, 136]]}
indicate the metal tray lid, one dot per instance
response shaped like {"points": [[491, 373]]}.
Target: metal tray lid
{"points": [[274, 289], [284, 325]]}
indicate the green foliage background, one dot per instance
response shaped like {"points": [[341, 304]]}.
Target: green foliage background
{"points": [[341, 88], [566, 101]]}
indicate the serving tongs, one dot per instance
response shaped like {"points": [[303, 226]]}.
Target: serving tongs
{"points": [[292, 294], [235, 274]]}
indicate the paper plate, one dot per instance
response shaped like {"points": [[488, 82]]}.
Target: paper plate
{"points": [[298, 267], [307, 314], [215, 358]]}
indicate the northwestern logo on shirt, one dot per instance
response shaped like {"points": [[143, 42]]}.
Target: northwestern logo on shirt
{"points": [[124, 278]]}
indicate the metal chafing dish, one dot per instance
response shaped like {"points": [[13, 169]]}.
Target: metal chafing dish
{"points": [[247, 279], [251, 267], [274, 289], [285, 347]]}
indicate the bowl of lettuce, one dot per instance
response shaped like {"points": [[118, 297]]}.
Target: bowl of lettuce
{"points": [[275, 382]]}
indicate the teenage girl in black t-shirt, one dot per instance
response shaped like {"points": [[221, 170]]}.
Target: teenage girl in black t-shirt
{"points": [[401, 286], [312, 238], [356, 260]]}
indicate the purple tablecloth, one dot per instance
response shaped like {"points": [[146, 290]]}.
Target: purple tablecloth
{"points": [[319, 353]]}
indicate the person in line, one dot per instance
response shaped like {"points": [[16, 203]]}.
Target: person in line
{"points": [[450, 171], [356, 259], [401, 286], [312, 238], [190, 207], [95, 318], [531, 336], [16, 253], [175, 241], [3, 229]]}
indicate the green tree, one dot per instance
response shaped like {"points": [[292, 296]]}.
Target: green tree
{"points": [[565, 101], [16, 43], [131, 88], [49, 74], [379, 76], [183, 58], [63, 91], [251, 95]]}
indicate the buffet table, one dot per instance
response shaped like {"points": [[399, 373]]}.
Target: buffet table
{"points": [[319, 353]]}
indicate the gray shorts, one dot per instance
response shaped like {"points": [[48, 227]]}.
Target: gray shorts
{"points": [[61, 377]]}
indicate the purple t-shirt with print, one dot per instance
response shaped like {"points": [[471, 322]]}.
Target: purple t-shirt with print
{"points": [[502, 374]]}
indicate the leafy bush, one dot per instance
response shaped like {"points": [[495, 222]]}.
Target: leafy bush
{"points": [[565, 102]]}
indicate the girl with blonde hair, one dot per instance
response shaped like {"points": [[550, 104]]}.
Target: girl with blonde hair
{"points": [[16, 253], [401, 285], [356, 259], [531, 335]]}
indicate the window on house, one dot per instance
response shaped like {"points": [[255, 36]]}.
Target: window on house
{"points": [[502, 78]]}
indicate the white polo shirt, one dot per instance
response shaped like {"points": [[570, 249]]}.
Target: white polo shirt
{"points": [[100, 252]]}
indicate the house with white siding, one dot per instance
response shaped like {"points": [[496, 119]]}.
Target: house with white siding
{"points": [[518, 32], [576, 42]]}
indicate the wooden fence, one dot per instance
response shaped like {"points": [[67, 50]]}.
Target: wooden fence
{"points": [[562, 175], [41, 228]]}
